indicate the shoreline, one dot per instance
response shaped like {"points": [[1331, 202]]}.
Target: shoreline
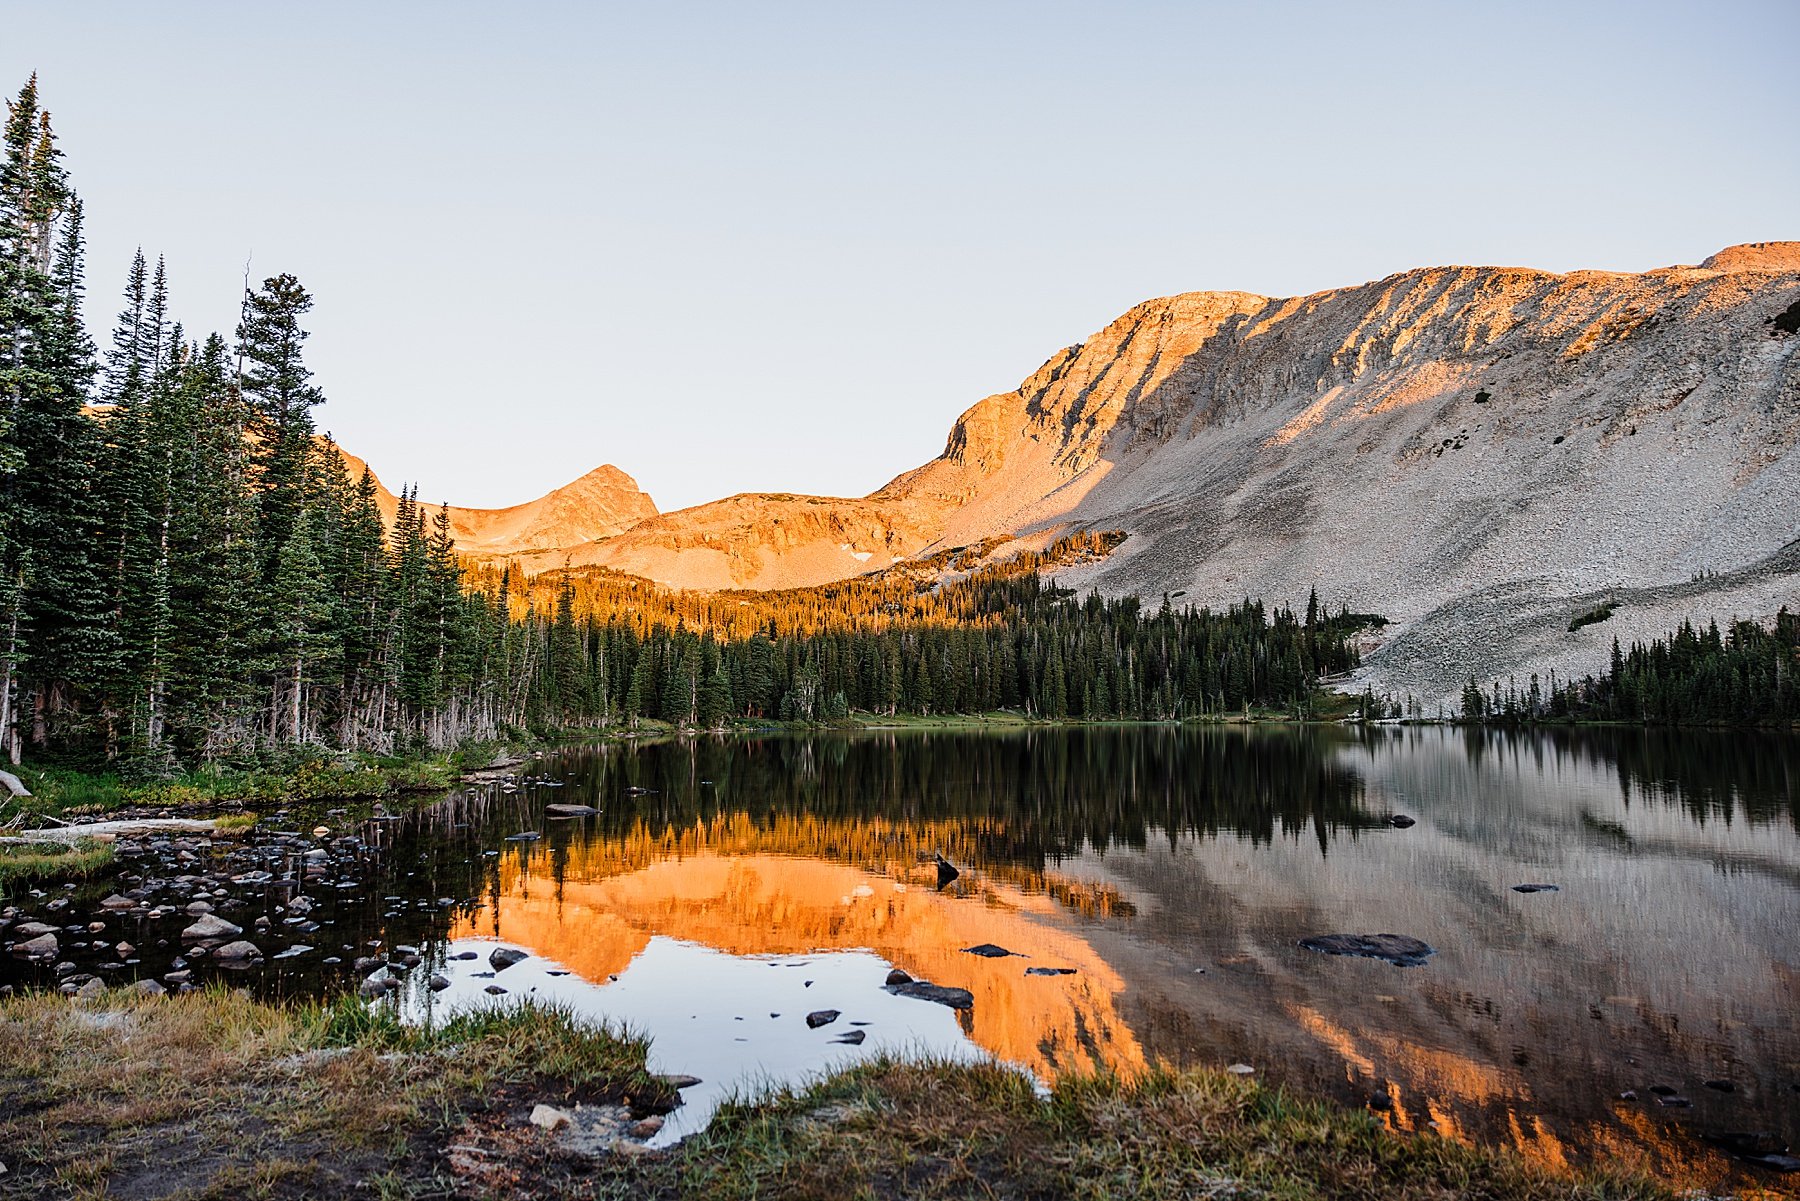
{"points": [[216, 1095]]}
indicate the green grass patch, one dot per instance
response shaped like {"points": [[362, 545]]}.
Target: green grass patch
{"points": [[28, 863]]}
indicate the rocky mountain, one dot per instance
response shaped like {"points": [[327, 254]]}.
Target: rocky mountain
{"points": [[1478, 453], [600, 504]]}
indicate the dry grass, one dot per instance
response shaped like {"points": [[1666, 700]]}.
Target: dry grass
{"points": [[215, 1096]]}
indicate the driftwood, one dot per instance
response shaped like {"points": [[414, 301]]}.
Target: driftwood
{"points": [[13, 784], [114, 829]]}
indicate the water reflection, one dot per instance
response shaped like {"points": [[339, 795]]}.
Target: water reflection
{"points": [[1174, 871]]}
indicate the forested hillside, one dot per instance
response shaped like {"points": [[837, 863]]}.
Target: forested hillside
{"points": [[190, 574], [1746, 676]]}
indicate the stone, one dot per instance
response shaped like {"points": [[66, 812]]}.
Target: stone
{"points": [[118, 902], [1397, 949], [897, 977], [550, 1118], [148, 988], [988, 950], [238, 951], [210, 926], [124, 950], [955, 998], [1535, 888], [1241, 1069], [93, 988], [822, 1017], [502, 958], [494, 990], [440, 983], [852, 1038], [571, 810], [1401, 822], [1049, 971], [646, 1128], [41, 947], [35, 929], [680, 1082]]}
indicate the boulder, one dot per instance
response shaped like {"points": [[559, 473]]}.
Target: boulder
{"points": [[955, 998], [41, 947], [502, 958], [237, 952], [822, 1017], [211, 926]]}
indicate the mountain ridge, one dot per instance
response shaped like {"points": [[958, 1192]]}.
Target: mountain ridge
{"points": [[1407, 445]]}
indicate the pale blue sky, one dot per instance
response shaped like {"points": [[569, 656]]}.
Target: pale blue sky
{"points": [[780, 246]]}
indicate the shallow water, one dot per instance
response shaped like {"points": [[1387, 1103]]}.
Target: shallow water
{"points": [[1175, 871]]}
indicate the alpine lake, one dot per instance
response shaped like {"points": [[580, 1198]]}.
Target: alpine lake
{"points": [[1132, 895]]}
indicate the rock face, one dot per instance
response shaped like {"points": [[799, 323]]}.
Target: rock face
{"points": [[1478, 453], [600, 504]]}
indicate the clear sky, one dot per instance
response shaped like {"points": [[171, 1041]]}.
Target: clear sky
{"points": [[779, 246]]}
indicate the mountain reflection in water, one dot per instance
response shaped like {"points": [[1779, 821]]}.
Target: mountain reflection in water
{"points": [[1175, 871]]}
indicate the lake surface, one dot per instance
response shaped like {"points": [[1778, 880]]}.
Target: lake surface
{"points": [[730, 887]]}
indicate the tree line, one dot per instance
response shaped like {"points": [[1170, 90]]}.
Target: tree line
{"points": [[1744, 676], [189, 573]]}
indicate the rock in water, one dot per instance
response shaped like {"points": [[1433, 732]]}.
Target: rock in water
{"points": [[571, 810], [502, 958], [237, 952], [851, 1038], [987, 950], [440, 983], [896, 976], [822, 1017], [41, 947], [1049, 971], [210, 926], [1401, 822], [1535, 888], [946, 872], [955, 998], [1396, 949]]}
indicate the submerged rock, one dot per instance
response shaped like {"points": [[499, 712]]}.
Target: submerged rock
{"points": [[504, 957], [955, 998], [571, 810], [1049, 971], [851, 1038], [1401, 822], [988, 950], [822, 1017], [1536, 888], [1397, 949]]}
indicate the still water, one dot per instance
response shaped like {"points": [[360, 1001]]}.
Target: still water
{"points": [[730, 887]]}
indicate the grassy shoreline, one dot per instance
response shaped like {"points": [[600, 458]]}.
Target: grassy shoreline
{"points": [[212, 1095]]}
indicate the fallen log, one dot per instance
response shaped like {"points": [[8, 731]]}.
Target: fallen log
{"points": [[113, 829]]}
